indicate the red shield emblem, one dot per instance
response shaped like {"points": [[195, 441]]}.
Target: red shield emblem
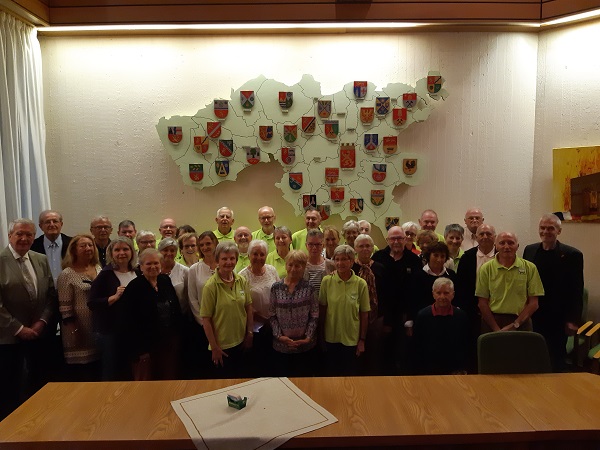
{"points": [[196, 172], [221, 108], [399, 116], [265, 132], [377, 197], [409, 100], [309, 201], [337, 193], [347, 156], [325, 211], [226, 147], [332, 129], [290, 133], [367, 114], [252, 155], [390, 145], [332, 175], [409, 166], [175, 134], [324, 108], [357, 205], [434, 82], [309, 124], [222, 168], [201, 144], [360, 89], [379, 172], [286, 99], [213, 129], [295, 180], [288, 155], [247, 99]]}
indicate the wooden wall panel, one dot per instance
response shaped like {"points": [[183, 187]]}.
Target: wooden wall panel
{"points": [[262, 12], [552, 9], [35, 12]]}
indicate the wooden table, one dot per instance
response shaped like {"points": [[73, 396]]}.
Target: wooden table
{"points": [[559, 411]]}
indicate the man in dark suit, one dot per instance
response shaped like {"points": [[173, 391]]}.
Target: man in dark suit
{"points": [[561, 270], [52, 243], [27, 302], [466, 279]]}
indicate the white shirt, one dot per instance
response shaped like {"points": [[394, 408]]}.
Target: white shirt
{"points": [[469, 241], [483, 258], [260, 290], [179, 277], [198, 275]]}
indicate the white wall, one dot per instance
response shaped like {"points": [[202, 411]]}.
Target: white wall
{"points": [[105, 95], [568, 115]]}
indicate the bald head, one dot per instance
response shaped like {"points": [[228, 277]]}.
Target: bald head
{"points": [[473, 219]]}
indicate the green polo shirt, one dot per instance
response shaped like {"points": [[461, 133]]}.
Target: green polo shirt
{"points": [[243, 262], [508, 287], [268, 238], [345, 300], [299, 240], [224, 237], [227, 308], [278, 262]]}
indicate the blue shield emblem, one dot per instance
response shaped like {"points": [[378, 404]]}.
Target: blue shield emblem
{"points": [[221, 108], [222, 168], [391, 222], [360, 89], [371, 142], [265, 132], [290, 133], [175, 134], [196, 172], [247, 99], [324, 108], [286, 99], [295, 180], [252, 155], [226, 147], [382, 105]]}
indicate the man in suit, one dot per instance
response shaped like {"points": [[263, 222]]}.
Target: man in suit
{"points": [[27, 302], [52, 243], [561, 270]]}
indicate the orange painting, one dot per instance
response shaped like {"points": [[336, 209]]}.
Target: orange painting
{"points": [[576, 183]]}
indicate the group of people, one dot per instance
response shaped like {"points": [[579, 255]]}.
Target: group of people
{"points": [[233, 303]]}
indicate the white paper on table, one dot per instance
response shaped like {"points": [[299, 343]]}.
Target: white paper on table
{"points": [[277, 410]]}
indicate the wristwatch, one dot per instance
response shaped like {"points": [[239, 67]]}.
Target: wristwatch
{"points": [[516, 325]]}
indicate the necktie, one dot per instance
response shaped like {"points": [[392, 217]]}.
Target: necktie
{"points": [[367, 274], [29, 284]]}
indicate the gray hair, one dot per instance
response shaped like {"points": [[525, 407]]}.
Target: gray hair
{"points": [[362, 222], [454, 227], [167, 242], [364, 237], [11, 226], [254, 243], [408, 225], [345, 250], [315, 232], [122, 240], [98, 218], [227, 247], [142, 234], [224, 207], [554, 218], [150, 252], [442, 281], [49, 211], [351, 224], [282, 229]]}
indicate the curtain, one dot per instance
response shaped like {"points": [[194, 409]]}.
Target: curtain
{"points": [[23, 174]]}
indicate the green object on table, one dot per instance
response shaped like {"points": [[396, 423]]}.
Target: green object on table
{"points": [[235, 401]]}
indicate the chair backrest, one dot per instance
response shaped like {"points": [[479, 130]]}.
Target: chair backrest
{"points": [[512, 352]]}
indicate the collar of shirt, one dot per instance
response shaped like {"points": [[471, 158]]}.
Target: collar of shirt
{"points": [[489, 255], [438, 312], [48, 242], [16, 255], [427, 270]]}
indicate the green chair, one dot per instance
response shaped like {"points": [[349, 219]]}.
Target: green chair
{"points": [[512, 352]]}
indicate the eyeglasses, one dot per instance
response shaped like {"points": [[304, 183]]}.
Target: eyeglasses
{"points": [[102, 227], [396, 239], [168, 227], [265, 218], [311, 244]]}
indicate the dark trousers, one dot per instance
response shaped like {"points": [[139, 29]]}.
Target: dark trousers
{"points": [[23, 371], [233, 363], [556, 340], [341, 360], [295, 364]]}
